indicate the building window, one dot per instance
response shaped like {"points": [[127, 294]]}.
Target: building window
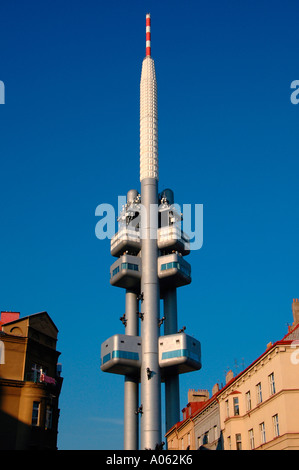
{"points": [[276, 425], [215, 432], [251, 439], [236, 406], [263, 433], [229, 443], [133, 267], [227, 408], [2, 353], [188, 440], [173, 264], [49, 417], [272, 384], [177, 265], [248, 401], [35, 414], [238, 442], [37, 370], [205, 438], [259, 393], [115, 271]]}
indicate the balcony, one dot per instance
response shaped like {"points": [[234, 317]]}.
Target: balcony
{"points": [[126, 239], [172, 238], [38, 377]]}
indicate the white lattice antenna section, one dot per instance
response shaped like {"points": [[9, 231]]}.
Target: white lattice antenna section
{"points": [[148, 120]]}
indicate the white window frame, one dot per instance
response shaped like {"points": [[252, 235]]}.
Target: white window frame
{"points": [[206, 438], [263, 432], [272, 384], [251, 438], [215, 432], [35, 418], [276, 425], [236, 406], [227, 408], [248, 400], [238, 441], [49, 417], [259, 394], [2, 352]]}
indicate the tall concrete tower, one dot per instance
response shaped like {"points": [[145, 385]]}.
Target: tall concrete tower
{"points": [[150, 248], [150, 381]]}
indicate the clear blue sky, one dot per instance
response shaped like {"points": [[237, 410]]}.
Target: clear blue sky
{"points": [[69, 140]]}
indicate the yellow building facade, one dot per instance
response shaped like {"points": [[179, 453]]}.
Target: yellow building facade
{"points": [[30, 382], [257, 409]]}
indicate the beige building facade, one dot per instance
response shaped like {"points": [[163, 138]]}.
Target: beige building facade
{"points": [[257, 409]]}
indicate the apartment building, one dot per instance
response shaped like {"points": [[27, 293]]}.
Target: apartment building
{"points": [[30, 382], [257, 409]]}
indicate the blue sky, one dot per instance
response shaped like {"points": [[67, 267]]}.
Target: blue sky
{"points": [[69, 141]]}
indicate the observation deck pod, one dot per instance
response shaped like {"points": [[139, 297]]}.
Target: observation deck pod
{"points": [[121, 354], [126, 239], [172, 238], [126, 272], [178, 353], [173, 270]]}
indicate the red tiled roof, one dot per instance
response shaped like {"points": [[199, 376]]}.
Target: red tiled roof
{"points": [[7, 317], [196, 407]]}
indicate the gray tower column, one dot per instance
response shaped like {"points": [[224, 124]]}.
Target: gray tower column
{"points": [[172, 385], [131, 391], [150, 370], [145, 264]]}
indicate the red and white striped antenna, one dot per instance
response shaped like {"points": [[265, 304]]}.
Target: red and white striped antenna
{"points": [[148, 35]]}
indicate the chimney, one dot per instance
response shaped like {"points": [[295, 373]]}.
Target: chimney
{"points": [[215, 389], [7, 317], [229, 376], [197, 395], [295, 308]]}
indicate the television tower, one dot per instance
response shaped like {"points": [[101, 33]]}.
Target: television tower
{"points": [[150, 248]]}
